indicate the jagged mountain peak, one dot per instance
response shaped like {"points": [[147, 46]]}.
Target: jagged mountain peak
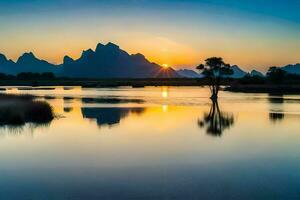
{"points": [[256, 73], [291, 65], [87, 53], [139, 55], [188, 73], [111, 61], [2, 57], [67, 60], [292, 69], [28, 56], [112, 45], [235, 67], [99, 46], [29, 63], [109, 47]]}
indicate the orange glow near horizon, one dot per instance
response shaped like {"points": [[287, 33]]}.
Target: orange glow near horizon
{"points": [[260, 41], [173, 54], [165, 66]]}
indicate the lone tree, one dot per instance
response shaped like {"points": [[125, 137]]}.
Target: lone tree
{"points": [[215, 68]]}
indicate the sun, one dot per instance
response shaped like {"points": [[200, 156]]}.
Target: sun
{"points": [[165, 66]]}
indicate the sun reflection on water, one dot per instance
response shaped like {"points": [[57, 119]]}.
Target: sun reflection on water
{"points": [[165, 92]]}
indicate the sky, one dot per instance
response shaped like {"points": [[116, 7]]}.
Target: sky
{"points": [[254, 34]]}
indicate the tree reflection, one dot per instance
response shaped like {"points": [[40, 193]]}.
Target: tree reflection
{"points": [[274, 117], [276, 113], [216, 121]]}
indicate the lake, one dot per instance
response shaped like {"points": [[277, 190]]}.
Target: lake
{"points": [[154, 143]]}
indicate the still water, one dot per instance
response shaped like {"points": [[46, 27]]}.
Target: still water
{"points": [[154, 143]]}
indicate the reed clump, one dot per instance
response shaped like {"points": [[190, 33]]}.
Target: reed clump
{"points": [[21, 109]]}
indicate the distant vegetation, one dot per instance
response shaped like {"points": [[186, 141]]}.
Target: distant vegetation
{"points": [[275, 75], [276, 80], [28, 76]]}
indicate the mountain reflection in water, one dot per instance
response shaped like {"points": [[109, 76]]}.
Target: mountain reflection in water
{"points": [[109, 116]]}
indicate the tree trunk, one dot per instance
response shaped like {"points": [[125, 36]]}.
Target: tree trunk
{"points": [[214, 96], [215, 89]]}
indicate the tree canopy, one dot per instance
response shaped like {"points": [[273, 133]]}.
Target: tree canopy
{"points": [[215, 68], [276, 74]]}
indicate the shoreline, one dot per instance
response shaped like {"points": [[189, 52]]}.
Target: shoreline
{"points": [[271, 89], [86, 83], [227, 84]]}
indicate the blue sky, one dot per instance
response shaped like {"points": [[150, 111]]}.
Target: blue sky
{"points": [[253, 34]]}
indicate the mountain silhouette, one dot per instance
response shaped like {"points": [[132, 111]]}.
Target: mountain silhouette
{"points": [[6, 66], [292, 69], [26, 63], [188, 73], [256, 73], [237, 73], [29, 63], [109, 61], [109, 116]]}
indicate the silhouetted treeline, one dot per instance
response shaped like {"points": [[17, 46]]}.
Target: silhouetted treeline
{"points": [[273, 78], [28, 76]]}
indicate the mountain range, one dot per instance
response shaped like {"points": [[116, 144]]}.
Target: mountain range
{"points": [[188, 73], [109, 61], [239, 73], [292, 69], [26, 63]]}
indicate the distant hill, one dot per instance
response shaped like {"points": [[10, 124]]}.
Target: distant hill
{"points": [[256, 73], [26, 63], [109, 61], [29, 63], [187, 73], [292, 69], [237, 73], [6, 66]]}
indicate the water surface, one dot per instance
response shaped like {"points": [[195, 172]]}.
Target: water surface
{"points": [[154, 143]]}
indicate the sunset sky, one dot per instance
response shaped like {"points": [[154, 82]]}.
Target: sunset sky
{"points": [[250, 33]]}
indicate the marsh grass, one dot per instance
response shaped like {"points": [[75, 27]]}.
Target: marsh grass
{"points": [[21, 109]]}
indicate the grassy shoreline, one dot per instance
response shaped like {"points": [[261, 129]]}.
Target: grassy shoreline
{"points": [[21, 109]]}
